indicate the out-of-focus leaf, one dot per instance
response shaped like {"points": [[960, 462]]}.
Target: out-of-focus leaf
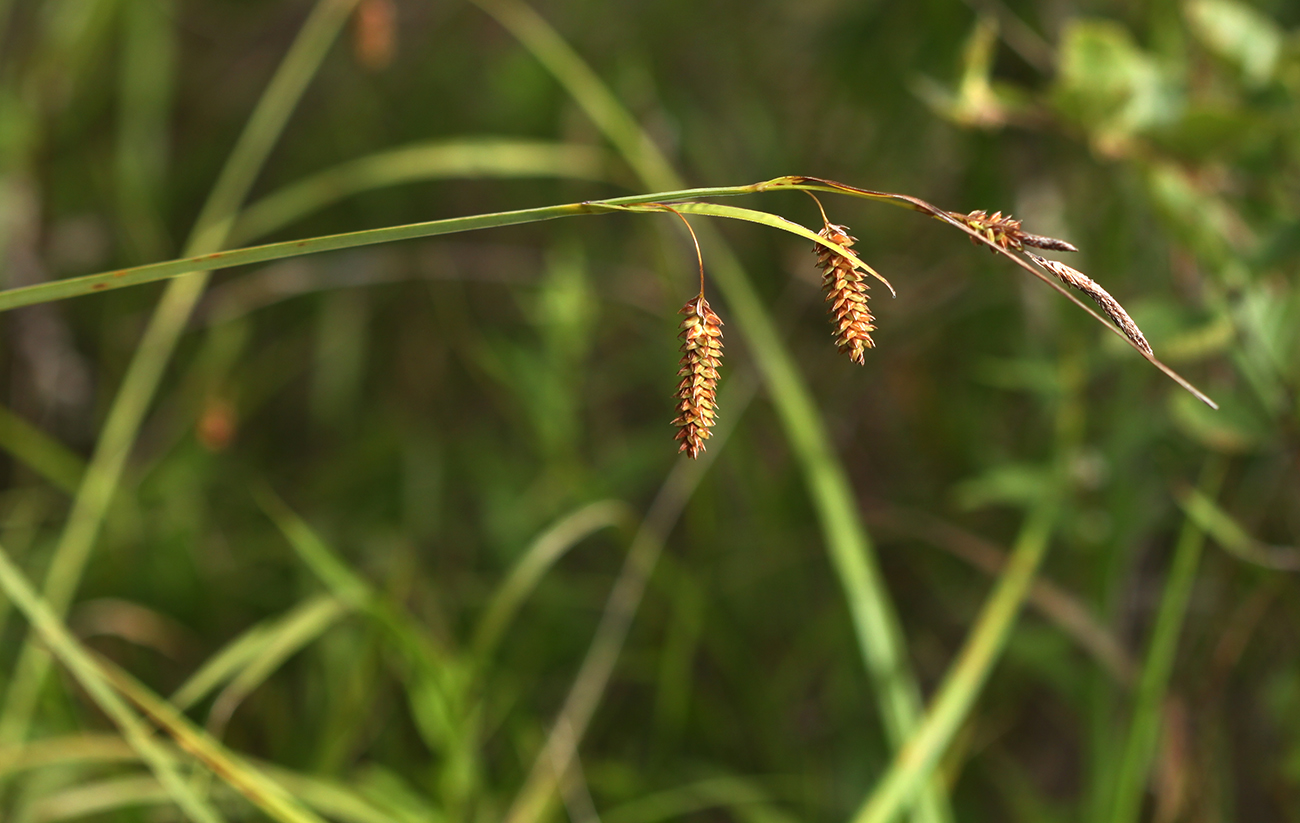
{"points": [[1212, 131], [1270, 311], [1109, 86], [1200, 342], [1038, 376], [1017, 484], [92, 797], [1198, 218], [974, 103], [395, 796], [1283, 243], [978, 101], [1239, 34], [1233, 429], [747, 799], [1233, 537]]}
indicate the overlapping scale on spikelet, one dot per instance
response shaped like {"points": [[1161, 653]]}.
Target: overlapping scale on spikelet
{"points": [[1006, 233], [847, 292], [701, 336]]}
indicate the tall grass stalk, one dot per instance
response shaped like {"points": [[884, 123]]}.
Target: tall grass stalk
{"points": [[46, 625], [535, 562], [96, 750], [104, 473], [1153, 684], [255, 784], [874, 620], [963, 683], [206, 262], [483, 157], [730, 275]]}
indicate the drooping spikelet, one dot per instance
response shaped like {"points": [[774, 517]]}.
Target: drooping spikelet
{"points": [[1077, 279], [1006, 233], [846, 290], [697, 393]]}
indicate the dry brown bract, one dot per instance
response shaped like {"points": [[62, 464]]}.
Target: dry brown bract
{"points": [[697, 393], [1078, 280], [846, 290], [1005, 232]]}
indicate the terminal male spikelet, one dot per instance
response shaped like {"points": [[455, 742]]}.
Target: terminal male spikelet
{"points": [[1077, 279], [697, 393], [846, 291]]}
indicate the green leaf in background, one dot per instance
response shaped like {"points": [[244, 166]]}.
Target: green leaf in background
{"points": [[1239, 34], [1234, 429], [459, 636], [1107, 83]]}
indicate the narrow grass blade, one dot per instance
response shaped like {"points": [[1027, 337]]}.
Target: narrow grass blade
{"points": [[226, 663], [1057, 604], [752, 216], [171, 269], [266, 123], [87, 798], [586, 87], [328, 797], [478, 158], [280, 642], [964, 681], [251, 650], [77, 286], [133, 399], [346, 584], [1234, 539], [67, 750], [731, 793], [536, 560], [40, 452], [342, 803], [1153, 684], [45, 623], [437, 676], [262, 791], [420, 648]]}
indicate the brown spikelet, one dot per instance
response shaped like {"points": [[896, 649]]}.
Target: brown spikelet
{"points": [[1078, 280], [1006, 233], [697, 393], [846, 290]]}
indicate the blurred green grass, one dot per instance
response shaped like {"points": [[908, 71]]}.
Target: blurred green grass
{"points": [[434, 408]]}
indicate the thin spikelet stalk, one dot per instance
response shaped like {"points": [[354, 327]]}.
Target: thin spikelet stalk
{"points": [[846, 290], [697, 393], [1005, 232], [1078, 280]]}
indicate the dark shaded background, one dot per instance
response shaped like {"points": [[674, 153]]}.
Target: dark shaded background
{"points": [[431, 406]]}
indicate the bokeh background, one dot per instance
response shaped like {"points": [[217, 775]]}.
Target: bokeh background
{"points": [[436, 410]]}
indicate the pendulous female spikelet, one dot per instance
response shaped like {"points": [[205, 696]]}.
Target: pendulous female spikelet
{"points": [[697, 393], [846, 290]]}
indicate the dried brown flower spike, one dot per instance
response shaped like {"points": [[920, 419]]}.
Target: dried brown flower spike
{"points": [[1077, 279], [1006, 233], [846, 290], [697, 393]]}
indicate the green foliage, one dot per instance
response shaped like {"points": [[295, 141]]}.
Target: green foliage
{"points": [[387, 523]]}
